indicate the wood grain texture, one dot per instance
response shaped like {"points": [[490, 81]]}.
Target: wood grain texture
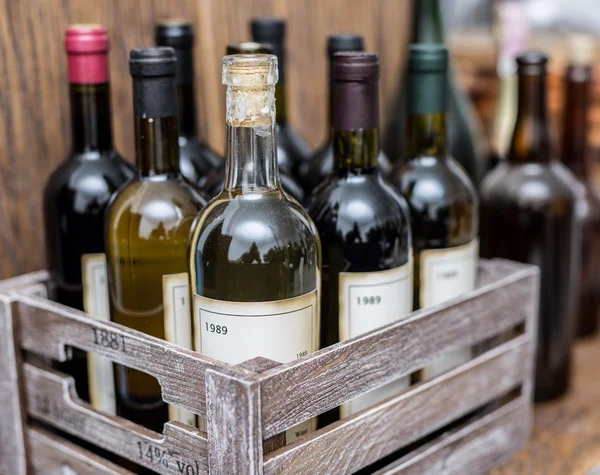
{"points": [[13, 451], [473, 449], [304, 388], [34, 109], [179, 371], [361, 440], [566, 435], [50, 398], [52, 455]]}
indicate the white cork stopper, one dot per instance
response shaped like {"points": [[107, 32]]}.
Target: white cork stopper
{"points": [[582, 49], [250, 81]]}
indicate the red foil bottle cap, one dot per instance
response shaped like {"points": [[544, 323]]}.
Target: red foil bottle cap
{"points": [[87, 47]]}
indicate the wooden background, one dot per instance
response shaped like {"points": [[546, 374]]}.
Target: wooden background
{"points": [[34, 114]]}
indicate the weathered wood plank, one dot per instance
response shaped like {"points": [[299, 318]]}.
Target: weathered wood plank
{"points": [[51, 455], [50, 399], [25, 280], [234, 429], [372, 434], [473, 449], [179, 371], [12, 435], [296, 391]]}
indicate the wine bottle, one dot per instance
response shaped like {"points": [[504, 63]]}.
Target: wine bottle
{"points": [[512, 37], [254, 254], [196, 158], [78, 191], [216, 181], [441, 197], [574, 154], [320, 165], [147, 230], [467, 140], [363, 223], [528, 215], [289, 143]]}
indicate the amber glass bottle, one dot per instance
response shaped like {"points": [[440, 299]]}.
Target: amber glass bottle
{"points": [[574, 154], [148, 226], [529, 215]]}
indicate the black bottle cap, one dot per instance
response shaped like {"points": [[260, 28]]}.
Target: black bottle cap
{"points": [[344, 42], [428, 58], [268, 30], [153, 71], [174, 33], [149, 62], [532, 63]]}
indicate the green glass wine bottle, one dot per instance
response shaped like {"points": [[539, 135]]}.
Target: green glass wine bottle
{"points": [[466, 137], [147, 231], [441, 197], [254, 254], [363, 223]]}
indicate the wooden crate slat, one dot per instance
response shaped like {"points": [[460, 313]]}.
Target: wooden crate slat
{"points": [[12, 435], [24, 281], [474, 449], [296, 391], [49, 399], [52, 455], [180, 371], [374, 433]]}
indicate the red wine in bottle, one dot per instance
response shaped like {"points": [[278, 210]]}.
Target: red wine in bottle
{"points": [[196, 158], [319, 166], [363, 223], [78, 191], [574, 154], [528, 205]]}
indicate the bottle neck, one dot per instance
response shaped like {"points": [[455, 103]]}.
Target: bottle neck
{"points": [[574, 139], [251, 150], [356, 150], [156, 146], [531, 137], [91, 127], [427, 25], [281, 112], [186, 98], [330, 100]]}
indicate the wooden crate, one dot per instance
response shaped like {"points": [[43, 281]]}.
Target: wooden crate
{"points": [[467, 420]]}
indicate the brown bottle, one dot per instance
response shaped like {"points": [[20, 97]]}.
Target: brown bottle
{"points": [[528, 214], [578, 82]]}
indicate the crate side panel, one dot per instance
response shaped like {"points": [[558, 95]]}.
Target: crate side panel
{"points": [[49, 399], [354, 443], [302, 389]]}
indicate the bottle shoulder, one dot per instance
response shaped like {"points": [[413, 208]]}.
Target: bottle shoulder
{"points": [[530, 184], [91, 174], [168, 200], [359, 200], [197, 159], [266, 219], [431, 181], [293, 142]]}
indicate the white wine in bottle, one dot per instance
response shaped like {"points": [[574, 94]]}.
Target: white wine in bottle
{"points": [[254, 253]]}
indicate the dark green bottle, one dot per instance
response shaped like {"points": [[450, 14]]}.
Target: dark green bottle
{"points": [[466, 140]]}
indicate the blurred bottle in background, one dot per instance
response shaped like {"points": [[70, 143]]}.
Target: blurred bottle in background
{"points": [[289, 142], [466, 137], [575, 155], [512, 39], [528, 214], [196, 159]]}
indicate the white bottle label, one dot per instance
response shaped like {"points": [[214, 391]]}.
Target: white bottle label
{"points": [[369, 300], [96, 304], [235, 332], [178, 326], [445, 274]]}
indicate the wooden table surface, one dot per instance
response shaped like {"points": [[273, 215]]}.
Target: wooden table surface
{"points": [[566, 436]]}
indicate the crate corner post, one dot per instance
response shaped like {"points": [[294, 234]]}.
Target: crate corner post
{"points": [[13, 446], [234, 424]]}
